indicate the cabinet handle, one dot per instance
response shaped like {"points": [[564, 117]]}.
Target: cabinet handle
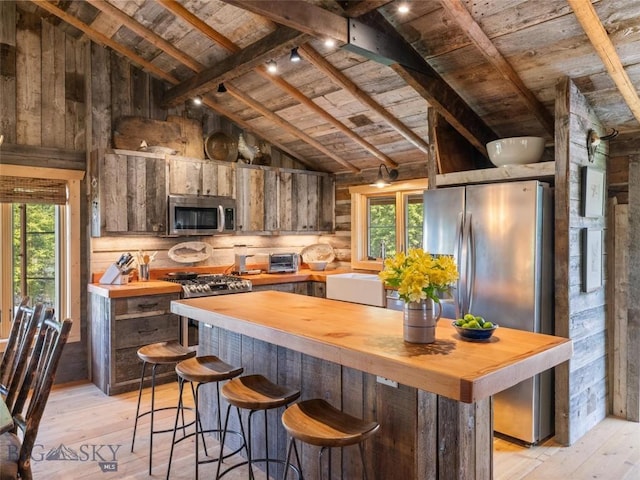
{"points": [[147, 306], [147, 332]]}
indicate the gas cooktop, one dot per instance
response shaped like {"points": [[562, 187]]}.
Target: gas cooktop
{"points": [[210, 284]]}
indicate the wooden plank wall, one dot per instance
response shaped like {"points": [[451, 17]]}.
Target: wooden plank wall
{"points": [[618, 292], [581, 383], [623, 315], [43, 90], [633, 318], [43, 111]]}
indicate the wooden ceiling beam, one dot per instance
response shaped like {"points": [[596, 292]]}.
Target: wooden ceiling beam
{"points": [[288, 127], [284, 85], [276, 44], [150, 36], [106, 41], [360, 7], [459, 13], [340, 79], [430, 85], [588, 18], [423, 78], [300, 15], [179, 11], [304, 100]]}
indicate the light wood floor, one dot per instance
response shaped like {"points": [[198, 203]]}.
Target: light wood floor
{"points": [[80, 418]]}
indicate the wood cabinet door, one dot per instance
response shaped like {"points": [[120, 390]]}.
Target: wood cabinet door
{"points": [[250, 199], [306, 202], [218, 179], [132, 195], [185, 176]]}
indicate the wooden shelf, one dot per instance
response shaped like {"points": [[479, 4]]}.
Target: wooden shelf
{"points": [[532, 171]]}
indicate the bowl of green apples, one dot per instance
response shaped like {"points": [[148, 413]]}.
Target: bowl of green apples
{"points": [[473, 327]]}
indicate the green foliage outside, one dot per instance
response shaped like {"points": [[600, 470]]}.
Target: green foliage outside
{"points": [[40, 253], [382, 225]]}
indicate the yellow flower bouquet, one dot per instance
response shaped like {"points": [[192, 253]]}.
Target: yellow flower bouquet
{"points": [[419, 275]]}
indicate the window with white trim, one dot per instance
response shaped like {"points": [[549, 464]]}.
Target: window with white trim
{"points": [[385, 221], [39, 242]]}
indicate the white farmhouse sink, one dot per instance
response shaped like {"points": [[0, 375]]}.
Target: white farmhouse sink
{"points": [[365, 288]]}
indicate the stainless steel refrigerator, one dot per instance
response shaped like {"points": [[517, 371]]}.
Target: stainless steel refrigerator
{"points": [[501, 237]]}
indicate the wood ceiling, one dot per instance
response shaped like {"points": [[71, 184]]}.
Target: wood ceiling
{"points": [[489, 68]]}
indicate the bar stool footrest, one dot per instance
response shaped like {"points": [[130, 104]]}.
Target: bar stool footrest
{"points": [[153, 432], [216, 430], [262, 460]]}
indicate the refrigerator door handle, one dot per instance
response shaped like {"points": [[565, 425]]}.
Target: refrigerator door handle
{"points": [[459, 298], [470, 263]]}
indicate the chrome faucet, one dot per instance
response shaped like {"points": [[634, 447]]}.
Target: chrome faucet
{"points": [[383, 250]]}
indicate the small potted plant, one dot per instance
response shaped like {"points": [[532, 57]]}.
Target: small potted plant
{"points": [[420, 278]]}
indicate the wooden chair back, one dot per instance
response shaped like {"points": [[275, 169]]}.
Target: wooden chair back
{"points": [[34, 392], [19, 343]]}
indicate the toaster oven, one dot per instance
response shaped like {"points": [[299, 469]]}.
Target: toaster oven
{"points": [[283, 263]]}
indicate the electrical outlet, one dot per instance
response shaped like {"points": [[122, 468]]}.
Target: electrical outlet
{"points": [[386, 381]]}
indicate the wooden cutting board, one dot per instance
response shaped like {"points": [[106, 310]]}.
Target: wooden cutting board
{"points": [[191, 131], [181, 134]]}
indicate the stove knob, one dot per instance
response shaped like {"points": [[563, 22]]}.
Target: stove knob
{"points": [[206, 287], [192, 288], [233, 285]]}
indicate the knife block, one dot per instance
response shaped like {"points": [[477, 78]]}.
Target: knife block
{"points": [[114, 276]]}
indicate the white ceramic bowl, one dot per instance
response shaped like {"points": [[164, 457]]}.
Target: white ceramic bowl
{"points": [[515, 150], [317, 266]]}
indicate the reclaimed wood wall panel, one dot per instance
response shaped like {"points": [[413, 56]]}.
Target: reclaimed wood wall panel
{"points": [[633, 320], [618, 291], [53, 86], [8, 71], [42, 72], [581, 384], [29, 83], [100, 92]]}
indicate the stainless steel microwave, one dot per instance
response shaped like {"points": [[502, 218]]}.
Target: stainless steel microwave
{"points": [[201, 215]]}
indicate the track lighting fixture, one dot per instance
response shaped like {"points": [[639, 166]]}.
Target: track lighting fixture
{"points": [[403, 8], [295, 56], [272, 66], [380, 180], [221, 88]]}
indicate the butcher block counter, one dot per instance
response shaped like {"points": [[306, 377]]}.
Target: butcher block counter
{"points": [[434, 400], [158, 287]]}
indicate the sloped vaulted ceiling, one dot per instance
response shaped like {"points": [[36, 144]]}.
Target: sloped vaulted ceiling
{"points": [[489, 68]]}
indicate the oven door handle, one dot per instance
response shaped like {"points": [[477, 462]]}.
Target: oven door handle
{"points": [[220, 218]]}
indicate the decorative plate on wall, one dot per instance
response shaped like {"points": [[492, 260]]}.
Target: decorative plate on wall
{"points": [[190, 252], [220, 146]]}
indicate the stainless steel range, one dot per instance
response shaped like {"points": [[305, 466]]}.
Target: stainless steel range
{"points": [[194, 285], [210, 284]]}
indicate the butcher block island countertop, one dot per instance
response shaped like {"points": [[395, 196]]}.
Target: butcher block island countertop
{"points": [[433, 402], [370, 339]]}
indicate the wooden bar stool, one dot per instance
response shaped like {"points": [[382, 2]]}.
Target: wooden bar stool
{"points": [[254, 393], [157, 354], [201, 370], [318, 423]]}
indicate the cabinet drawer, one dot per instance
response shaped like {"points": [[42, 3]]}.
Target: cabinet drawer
{"points": [[128, 366], [148, 305], [136, 332]]}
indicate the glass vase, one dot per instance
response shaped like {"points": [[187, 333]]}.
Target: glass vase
{"points": [[420, 321]]}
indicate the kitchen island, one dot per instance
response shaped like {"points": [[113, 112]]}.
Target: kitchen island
{"points": [[433, 401]]}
